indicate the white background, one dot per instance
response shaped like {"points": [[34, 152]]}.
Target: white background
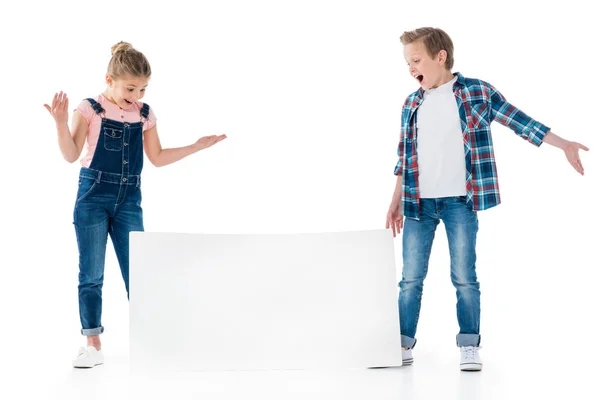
{"points": [[309, 94]]}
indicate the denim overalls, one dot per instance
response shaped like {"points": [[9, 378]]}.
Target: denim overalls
{"points": [[108, 202]]}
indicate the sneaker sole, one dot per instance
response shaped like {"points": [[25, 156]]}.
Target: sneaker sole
{"points": [[405, 362], [87, 366], [471, 367]]}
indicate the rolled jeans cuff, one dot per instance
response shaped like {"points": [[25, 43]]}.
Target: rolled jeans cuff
{"points": [[468, 339], [408, 341], [92, 332]]}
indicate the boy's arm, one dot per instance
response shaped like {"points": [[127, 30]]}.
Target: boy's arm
{"points": [[397, 196], [394, 218], [531, 130], [516, 120]]}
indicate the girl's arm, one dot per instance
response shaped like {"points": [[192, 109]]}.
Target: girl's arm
{"points": [[70, 143], [160, 157]]}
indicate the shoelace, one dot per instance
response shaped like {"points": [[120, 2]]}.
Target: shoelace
{"points": [[470, 352]]}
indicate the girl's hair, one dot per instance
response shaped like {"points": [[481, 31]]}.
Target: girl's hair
{"points": [[128, 61]]}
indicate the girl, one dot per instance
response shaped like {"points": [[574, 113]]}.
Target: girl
{"points": [[116, 128]]}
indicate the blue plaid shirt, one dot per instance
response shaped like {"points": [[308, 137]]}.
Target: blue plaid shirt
{"points": [[479, 103]]}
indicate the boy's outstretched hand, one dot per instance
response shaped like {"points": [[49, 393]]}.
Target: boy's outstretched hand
{"points": [[207, 141], [571, 150]]}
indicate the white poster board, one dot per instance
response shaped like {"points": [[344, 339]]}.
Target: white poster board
{"points": [[202, 302]]}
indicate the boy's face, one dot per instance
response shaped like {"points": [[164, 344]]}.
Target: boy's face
{"points": [[429, 72]]}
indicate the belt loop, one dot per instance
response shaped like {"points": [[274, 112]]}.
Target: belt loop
{"points": [[98, 176], [138, 182]]}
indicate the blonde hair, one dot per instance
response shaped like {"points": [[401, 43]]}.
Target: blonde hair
{"points": [[434, 40], [128, 61]]}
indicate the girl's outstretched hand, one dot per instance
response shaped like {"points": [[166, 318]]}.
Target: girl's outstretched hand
{"points": [[59, 109], [207, 141]]}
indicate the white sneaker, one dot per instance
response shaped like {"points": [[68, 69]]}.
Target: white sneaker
{"points": [[88, 357], [469, 359], [407, 358]]}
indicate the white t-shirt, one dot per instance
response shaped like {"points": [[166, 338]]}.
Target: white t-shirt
{"points": [[440, 148]]}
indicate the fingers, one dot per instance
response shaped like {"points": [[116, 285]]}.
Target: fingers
{"points": [[208, 141], [63, 103], [572, 153], [397, 225], [217, 139], [576, 162], [63, 99], [214, 139], [577, 165], [389, 222], [59, 101]]}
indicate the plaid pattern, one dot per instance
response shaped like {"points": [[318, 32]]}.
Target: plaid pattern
{"points": [[479, 103]]}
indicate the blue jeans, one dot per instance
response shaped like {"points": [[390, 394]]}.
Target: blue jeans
{"points": [[105, 206], [461, 228]]}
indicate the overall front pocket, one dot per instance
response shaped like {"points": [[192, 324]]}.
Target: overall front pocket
{"points": [[113, 139]]}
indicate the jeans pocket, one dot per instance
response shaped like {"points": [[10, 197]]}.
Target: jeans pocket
{"points": [[86, 186], [113, 139]]}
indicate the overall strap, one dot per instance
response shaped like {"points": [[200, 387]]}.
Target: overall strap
{"points": [[96, 106], [145, 111]]}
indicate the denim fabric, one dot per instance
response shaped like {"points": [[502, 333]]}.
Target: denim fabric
{"points": [[461, 226], [108, 203]]}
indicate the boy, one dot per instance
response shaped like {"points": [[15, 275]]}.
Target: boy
{"points": [[446, 171]]}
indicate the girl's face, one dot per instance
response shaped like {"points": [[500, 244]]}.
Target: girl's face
{"points": [[127, 90]]}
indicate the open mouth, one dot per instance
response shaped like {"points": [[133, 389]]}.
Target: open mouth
{"points": [[127, 101], [420, 78]]}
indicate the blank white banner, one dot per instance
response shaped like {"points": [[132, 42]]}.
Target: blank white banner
{"points": [[203, 302]]}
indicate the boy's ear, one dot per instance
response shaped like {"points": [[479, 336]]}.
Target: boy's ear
{"points": [[109, 80], [441, 57]]}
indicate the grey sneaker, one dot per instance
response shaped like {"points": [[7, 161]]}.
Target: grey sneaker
{"points": [[407, 358], [469, 359]]}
